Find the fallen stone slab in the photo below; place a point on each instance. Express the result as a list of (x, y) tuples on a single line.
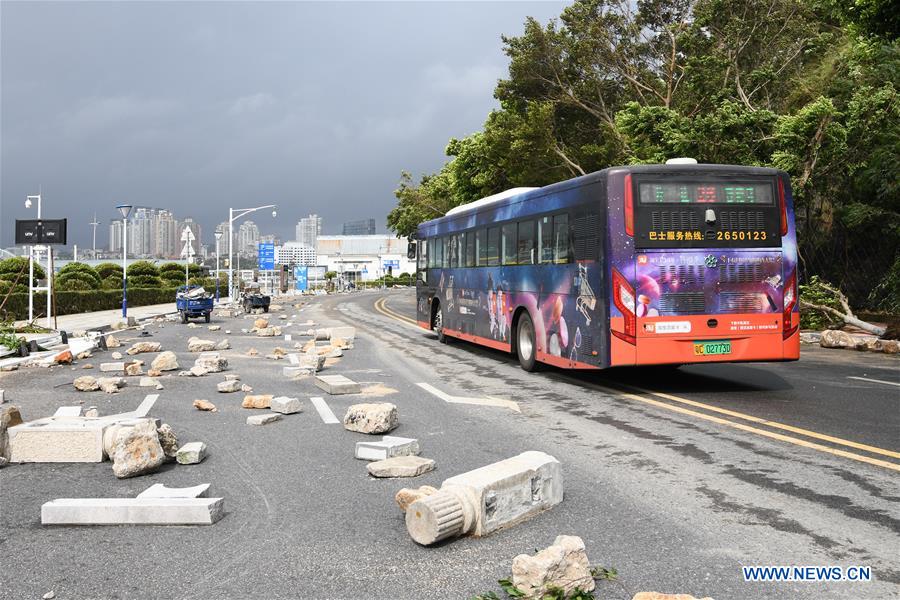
[(400, 466), (263, 419), (228, 386), (158, 490), (257, 401), (86, 383), (286, 405), (148, 382), (141, 347), (388, 447), (198, 345), (191, 453), (337, 385), (68, 411), (57, 440), (371, 418), (132, 511), (563, 565), (165, 361), (296, 372), (109, 367), (205, 405), (407, 496), (515, 489)]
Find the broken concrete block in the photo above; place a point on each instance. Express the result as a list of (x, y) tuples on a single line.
[(148, 382), (214, 327), (165, 361), (659, 596), (407, 496), (334, 353), (232, 377), (371, 418), (205, 405), (322, 334), (116, 356), (268, 332), (311, 361), (223, 345), (68, 411), (246, 388), (337, 385), (112, 341), (296, 372), (110, 385), (132, 511), (258, 401), (140, 347), (198, 345), (400, 466), (137, 449), (486, 499), (168, 440), (198, 371), (213, 364), (86, 383), (563, 565), (285, 405), (57, 440), (228, 386), (191, 453), (134, 369), (388, 447), (9, 417), (109, 367), (263, 419), (159, 490)]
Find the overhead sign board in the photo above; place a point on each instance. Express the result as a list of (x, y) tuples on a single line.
[(301, 278), (40, 231), (266, 256)]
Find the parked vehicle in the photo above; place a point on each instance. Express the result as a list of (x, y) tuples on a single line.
[(193, 302), (253, 298)]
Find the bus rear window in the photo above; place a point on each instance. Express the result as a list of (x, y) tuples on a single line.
[(718, 192)]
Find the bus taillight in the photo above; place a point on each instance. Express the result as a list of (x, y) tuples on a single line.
[(790, 299), (629, 206), (623, 297), (784, 217)]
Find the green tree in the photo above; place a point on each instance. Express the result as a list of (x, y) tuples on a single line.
[(108, 269), (84, 274), (11, 268)]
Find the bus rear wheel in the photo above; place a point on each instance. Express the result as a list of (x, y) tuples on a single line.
[(525, 345)]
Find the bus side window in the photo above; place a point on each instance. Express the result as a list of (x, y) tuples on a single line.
[(508, 244), (561, 239), (493, 247), (470, 249), (526, 243), (545, 240), (481, 252), (422, 262), (454, 251), (445, 258)]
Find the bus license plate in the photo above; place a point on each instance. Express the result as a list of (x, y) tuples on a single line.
[(712, 347)]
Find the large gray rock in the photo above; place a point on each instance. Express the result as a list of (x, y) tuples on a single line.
[(285, 405), (140, 347), (198, 345), (563, 565), (400, 466), (86, 383), (263, 419), (9, 417), (137, 450), (228, 386), (112, 341), (835, 338), (268, 332), (168, 440), (371, 418), (213, 364), (165, 361)]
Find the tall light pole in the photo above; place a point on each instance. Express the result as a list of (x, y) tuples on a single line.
[(237, 213), (28, 202), (218, 235), (125, 210), (94, 224)]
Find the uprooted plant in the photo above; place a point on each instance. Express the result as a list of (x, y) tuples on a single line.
[(829, 301)]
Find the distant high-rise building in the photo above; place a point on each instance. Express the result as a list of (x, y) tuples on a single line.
[(308, 230), (115, 235), (166, 235), (248, 238), (361, 227), (294, 253)]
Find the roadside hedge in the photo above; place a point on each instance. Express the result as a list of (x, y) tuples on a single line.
[(73, 302)]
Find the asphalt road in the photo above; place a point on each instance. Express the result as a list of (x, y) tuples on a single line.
[(673, 501)]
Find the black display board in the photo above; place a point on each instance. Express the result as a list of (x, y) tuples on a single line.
[(31, 232)]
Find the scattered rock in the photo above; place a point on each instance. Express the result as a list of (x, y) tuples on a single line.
[(658, 596), (92, 411), (140, 347), (407, 496), (371, 418), (229, 386), (400, 466), (285, 405), (64, 358), (116, 356), (112, 341), (134, 368), (890, 346), (148, 382), (252, 352), (232, 377), (109, 367), (260, 323), (110, 385), (340, 343), (154, 373), (137, 450), (268, 332), (191, 454), (246, 388), (9, 417), (257, 401), (835, 338), (165, 361), (198, 345), (263, 419), (86, 383), (205, 405), (168, 440), (311, 361), (87, 366), (198, 371), (223, 345), (212, 364), (214, 327), (563, 565), (49, 595), (279, 352), (84, 355)]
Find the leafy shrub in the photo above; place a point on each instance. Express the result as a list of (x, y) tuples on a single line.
[(86, 276), (73, 302), (73, 284), (113, 282), (811, 318), (144, 281), (142, 267), (11, 267), (108, 269)]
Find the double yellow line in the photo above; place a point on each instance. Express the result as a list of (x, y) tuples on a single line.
[(647, 397)]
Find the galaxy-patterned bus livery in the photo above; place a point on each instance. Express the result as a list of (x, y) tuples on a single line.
[(640, 265)]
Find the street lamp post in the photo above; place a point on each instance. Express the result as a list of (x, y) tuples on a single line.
[(125, 210), (218, 237), (28, 202), (237, 213)]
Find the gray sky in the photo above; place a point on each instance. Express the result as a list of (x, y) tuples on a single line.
[(200, 106)]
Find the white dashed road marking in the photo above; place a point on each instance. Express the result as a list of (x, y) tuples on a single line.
[(324, 411), (488, 401), (874, 380)]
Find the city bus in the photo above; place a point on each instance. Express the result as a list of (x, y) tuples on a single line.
[(670, 264)]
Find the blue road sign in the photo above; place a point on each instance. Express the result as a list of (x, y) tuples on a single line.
[(301, 278), (266, 256)]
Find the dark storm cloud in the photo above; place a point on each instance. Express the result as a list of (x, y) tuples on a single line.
[(201, 106)]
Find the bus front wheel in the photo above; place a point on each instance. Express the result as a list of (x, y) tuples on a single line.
[(525, 346), (439, 325)]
